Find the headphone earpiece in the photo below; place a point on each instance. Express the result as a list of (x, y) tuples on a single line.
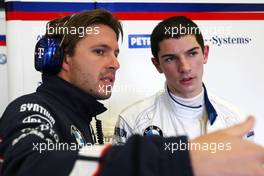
[(48, 55)]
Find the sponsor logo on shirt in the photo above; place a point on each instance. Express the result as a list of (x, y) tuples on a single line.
[(120, 132), (77, 135), (153, 130)]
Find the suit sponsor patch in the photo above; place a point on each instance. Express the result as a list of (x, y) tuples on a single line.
[(120, 132), (77, 135), (153, 130)]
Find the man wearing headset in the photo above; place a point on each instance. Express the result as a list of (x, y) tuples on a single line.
[(184, 107), (48, 132)]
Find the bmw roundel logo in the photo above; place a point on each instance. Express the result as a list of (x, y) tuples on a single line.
[(3, 59), (153, 130), (78, 136)]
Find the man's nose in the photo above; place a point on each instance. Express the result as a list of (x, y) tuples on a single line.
[(184, 65), (114, 64)]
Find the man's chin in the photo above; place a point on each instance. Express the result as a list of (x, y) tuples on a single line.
[(103, 96)]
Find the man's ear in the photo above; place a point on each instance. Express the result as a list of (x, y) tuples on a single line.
[(65, 70), (206, 53), (156, 64), (66, 63)]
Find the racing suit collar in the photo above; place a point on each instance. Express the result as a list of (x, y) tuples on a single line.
[(71, 96), (211, 112)]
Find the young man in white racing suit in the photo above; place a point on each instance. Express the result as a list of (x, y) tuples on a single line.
[(184, 107)]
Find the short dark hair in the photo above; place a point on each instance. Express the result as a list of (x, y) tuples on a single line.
[(166, 29), (83, 20)]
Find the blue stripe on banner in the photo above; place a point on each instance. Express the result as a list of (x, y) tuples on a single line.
[(2, 37), (180, 7), (49, 6), (132, 7)]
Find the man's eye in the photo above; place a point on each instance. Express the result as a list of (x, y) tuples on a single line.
[(193, 53), (99, 51), (169, 59)]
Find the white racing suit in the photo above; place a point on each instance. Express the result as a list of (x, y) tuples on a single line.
[(156, 116)]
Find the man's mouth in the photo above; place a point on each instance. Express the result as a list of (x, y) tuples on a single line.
[(186, 80), (108, 79)]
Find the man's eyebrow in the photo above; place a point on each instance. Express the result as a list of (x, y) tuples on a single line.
[(168, 55), (192, 49), (105, 46), (101, 45)]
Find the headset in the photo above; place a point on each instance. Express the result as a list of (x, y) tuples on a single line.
[(49, 53)]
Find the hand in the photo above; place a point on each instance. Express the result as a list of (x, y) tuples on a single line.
[(233, 156)]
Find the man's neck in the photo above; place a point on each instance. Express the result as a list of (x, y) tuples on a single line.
[(188, 95)]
